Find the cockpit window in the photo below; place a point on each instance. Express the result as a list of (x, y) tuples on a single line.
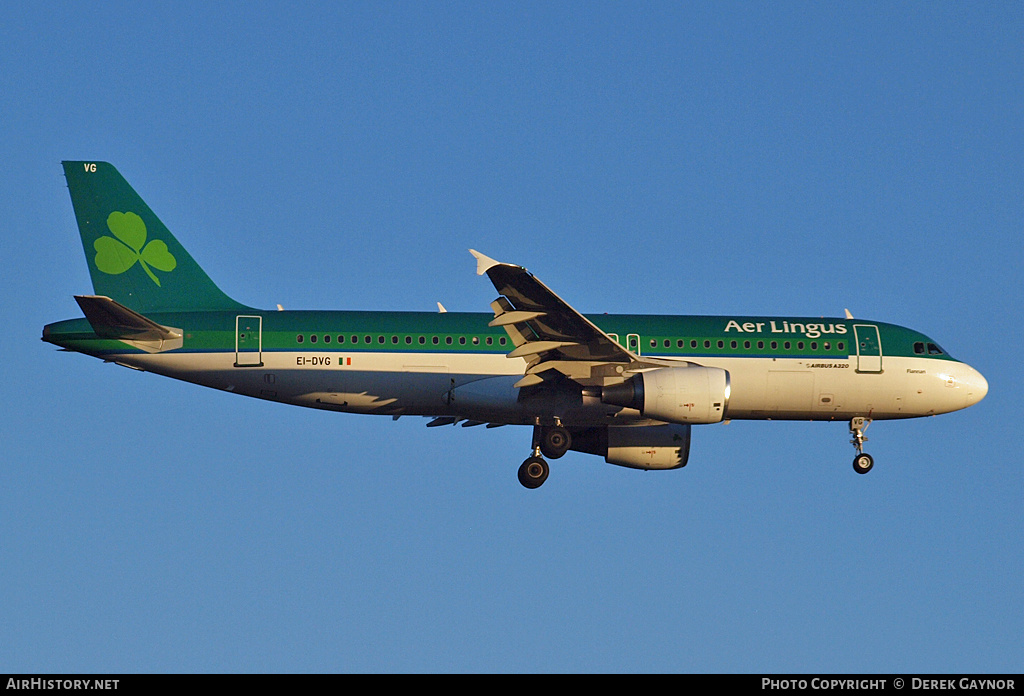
[(932, 349)]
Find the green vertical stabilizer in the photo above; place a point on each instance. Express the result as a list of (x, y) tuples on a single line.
[(132, 256)]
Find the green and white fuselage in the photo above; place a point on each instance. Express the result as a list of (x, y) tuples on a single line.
[(407, 363), (627, 387)]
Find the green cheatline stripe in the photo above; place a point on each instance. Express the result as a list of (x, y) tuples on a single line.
[(206, 330)]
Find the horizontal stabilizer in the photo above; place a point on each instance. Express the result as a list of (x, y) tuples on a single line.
[(109, 319)]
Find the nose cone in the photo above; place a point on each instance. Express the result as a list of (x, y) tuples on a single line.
[(974, 384)]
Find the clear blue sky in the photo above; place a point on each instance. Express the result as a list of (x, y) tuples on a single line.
[(788, 158)]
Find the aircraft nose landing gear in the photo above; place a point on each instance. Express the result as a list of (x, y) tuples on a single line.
[(862, 463)]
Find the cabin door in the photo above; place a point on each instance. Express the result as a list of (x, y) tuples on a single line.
[(869, 348), (248, 341)]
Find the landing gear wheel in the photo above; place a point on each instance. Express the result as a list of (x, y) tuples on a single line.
[(555, 441), (862, 463), (533, 472)]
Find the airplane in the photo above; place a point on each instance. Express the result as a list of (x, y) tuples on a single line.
[(624, 387)]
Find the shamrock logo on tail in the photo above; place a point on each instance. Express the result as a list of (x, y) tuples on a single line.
[(115, 256)]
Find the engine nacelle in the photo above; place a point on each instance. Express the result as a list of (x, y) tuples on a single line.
[(674, 394), (637, 447)]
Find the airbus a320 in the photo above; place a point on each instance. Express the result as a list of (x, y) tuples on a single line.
[(624, 387)]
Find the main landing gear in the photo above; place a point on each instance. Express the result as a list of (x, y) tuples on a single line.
[(863, 462), (551, 441), (533, 472)]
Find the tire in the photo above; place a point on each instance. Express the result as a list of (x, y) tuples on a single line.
[(863, 463), (555, 442), (533, 472)]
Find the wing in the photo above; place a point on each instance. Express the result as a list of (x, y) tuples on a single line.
[(550, 335)]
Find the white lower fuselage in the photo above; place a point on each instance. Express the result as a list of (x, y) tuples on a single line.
[(479, 386)]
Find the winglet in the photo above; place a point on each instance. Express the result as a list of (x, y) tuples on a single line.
[(483, 263)]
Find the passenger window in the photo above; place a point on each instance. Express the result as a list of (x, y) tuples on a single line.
[(501, 340), (448, 340), (299, 339), (721, 344), (394, 339), (327, 338), (746, 345), (312, 338), (760, 345), (380, 339), (435, 339), (422, 340), (733, 345), (341, 339), (462, 340)]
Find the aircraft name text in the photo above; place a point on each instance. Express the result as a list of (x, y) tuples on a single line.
[(785, 327)]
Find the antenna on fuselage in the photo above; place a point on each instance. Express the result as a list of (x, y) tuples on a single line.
[(848, 315)]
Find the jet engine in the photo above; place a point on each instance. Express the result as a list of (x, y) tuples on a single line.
[(674, 394), (637, 447)]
